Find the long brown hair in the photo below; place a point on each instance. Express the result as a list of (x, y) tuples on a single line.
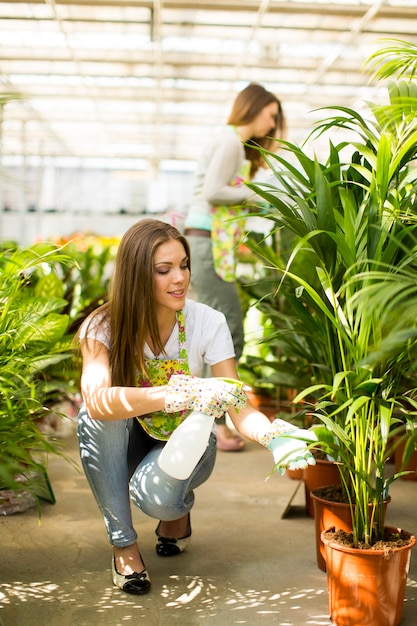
[(247, 105), (131, 305)]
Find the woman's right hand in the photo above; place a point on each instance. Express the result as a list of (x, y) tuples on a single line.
[(212, 396)]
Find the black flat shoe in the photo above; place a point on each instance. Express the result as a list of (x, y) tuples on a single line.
[(172, 547), (136, 584)]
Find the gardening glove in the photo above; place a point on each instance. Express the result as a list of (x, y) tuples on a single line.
[(211, 396), (288, 445)]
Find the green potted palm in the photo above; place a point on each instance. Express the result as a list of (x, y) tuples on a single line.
[(287, 357), (354, 310)]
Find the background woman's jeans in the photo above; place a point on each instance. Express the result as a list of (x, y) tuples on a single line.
[(120, 460)]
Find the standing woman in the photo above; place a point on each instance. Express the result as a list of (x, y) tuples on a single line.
[(214, 223), (143, 352)]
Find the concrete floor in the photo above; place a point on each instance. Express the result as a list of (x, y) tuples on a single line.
[(246, 564)]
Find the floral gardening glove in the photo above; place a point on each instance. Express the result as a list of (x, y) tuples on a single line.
[(211, 396), (288, 445)]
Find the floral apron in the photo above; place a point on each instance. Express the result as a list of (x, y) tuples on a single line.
[(161, 425), (226, 232)]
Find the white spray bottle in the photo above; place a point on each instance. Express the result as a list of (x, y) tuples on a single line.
[(188, 442)]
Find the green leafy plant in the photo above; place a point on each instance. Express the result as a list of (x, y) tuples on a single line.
[(349, 283), (282, 356), (83, 284), (33, 338)]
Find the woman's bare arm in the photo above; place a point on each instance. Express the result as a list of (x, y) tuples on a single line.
[(106, 402)]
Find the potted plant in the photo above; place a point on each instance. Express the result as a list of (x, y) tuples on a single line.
[(355, 214), (33, 339), (283, 359)]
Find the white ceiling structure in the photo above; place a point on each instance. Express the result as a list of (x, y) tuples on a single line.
[(120, 79)]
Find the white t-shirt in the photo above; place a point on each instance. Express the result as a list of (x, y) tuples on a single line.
[(207, 334)]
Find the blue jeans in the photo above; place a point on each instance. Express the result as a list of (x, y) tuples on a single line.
[(120, 462)]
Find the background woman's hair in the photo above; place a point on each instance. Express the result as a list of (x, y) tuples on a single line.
[(247, 105)]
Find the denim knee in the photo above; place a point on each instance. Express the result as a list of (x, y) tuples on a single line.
[(165, 498)]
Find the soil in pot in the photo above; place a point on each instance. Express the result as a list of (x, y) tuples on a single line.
[(366, 584)]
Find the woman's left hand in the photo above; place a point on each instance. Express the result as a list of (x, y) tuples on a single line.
[(289, 445)]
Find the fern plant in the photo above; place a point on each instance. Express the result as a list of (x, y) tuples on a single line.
[(32, 339)]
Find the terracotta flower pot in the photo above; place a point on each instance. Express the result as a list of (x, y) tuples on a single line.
[(367, 587), (295, 474), (328, 514), (266, 404), (411, 465), (322, 474)]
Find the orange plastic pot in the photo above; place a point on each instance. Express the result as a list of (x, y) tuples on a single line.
[(411, 465), (265, 404), (366, 587), (295, 474), (328, 514), (322, 474)]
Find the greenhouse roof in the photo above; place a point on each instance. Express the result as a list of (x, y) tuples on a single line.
[(148, 81)]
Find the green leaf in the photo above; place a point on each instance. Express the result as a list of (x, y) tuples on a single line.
[(49, 285)]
